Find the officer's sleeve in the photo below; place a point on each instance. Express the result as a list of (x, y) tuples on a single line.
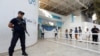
[(25, 24), (12, 21), (98, 30)]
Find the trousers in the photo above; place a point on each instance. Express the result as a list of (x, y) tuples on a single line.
[(95, 38), (66, 35), (42, 35), (14, 40)]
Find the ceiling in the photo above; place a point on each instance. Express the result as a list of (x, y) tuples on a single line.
[(64, 7)]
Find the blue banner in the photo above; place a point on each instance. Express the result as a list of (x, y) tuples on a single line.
[(56, 17), (48, 28)]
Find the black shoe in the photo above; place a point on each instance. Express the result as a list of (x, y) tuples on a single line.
[(92, 43), (97, 44), (10, 55), (24, 54)]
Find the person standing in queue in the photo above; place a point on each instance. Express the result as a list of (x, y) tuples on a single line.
[(66, 33), (70, 33), (80, 31), (76, 33), (95, 32), (42, 34), (87, 33), (18, 26), (56, 33)]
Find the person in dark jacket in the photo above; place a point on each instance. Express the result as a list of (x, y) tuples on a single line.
[(95, 32), (80, 31), (70, 33), (18, 26)]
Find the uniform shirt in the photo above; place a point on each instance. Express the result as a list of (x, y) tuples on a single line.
[(19, 25)]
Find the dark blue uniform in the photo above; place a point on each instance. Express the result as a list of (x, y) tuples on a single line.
[(18, 33)]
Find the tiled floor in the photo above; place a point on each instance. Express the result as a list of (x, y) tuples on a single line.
[(50, 48), (80, 44)]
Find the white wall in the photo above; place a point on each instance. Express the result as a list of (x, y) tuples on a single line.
[(49, 34), (43, 13), (78, 21), (68, 24), (8, 10)]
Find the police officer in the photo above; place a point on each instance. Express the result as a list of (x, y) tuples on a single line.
[(18, 26)]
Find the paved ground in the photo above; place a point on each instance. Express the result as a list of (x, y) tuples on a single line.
[(50, 47)]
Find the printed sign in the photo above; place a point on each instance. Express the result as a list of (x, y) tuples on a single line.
[(32, 2)]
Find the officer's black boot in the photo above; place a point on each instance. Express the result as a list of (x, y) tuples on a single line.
[(10, 53), (24, 54)]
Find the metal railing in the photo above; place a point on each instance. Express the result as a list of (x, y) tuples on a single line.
[(82, 42)]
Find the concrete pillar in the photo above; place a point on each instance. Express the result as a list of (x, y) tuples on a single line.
[(8, 10)]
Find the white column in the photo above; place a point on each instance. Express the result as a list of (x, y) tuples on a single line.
[(8, 10)]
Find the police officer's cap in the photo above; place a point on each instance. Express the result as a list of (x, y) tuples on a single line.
[(21, 12)]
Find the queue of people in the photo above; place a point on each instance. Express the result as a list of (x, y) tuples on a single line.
[(70, 33), (77, 32)]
